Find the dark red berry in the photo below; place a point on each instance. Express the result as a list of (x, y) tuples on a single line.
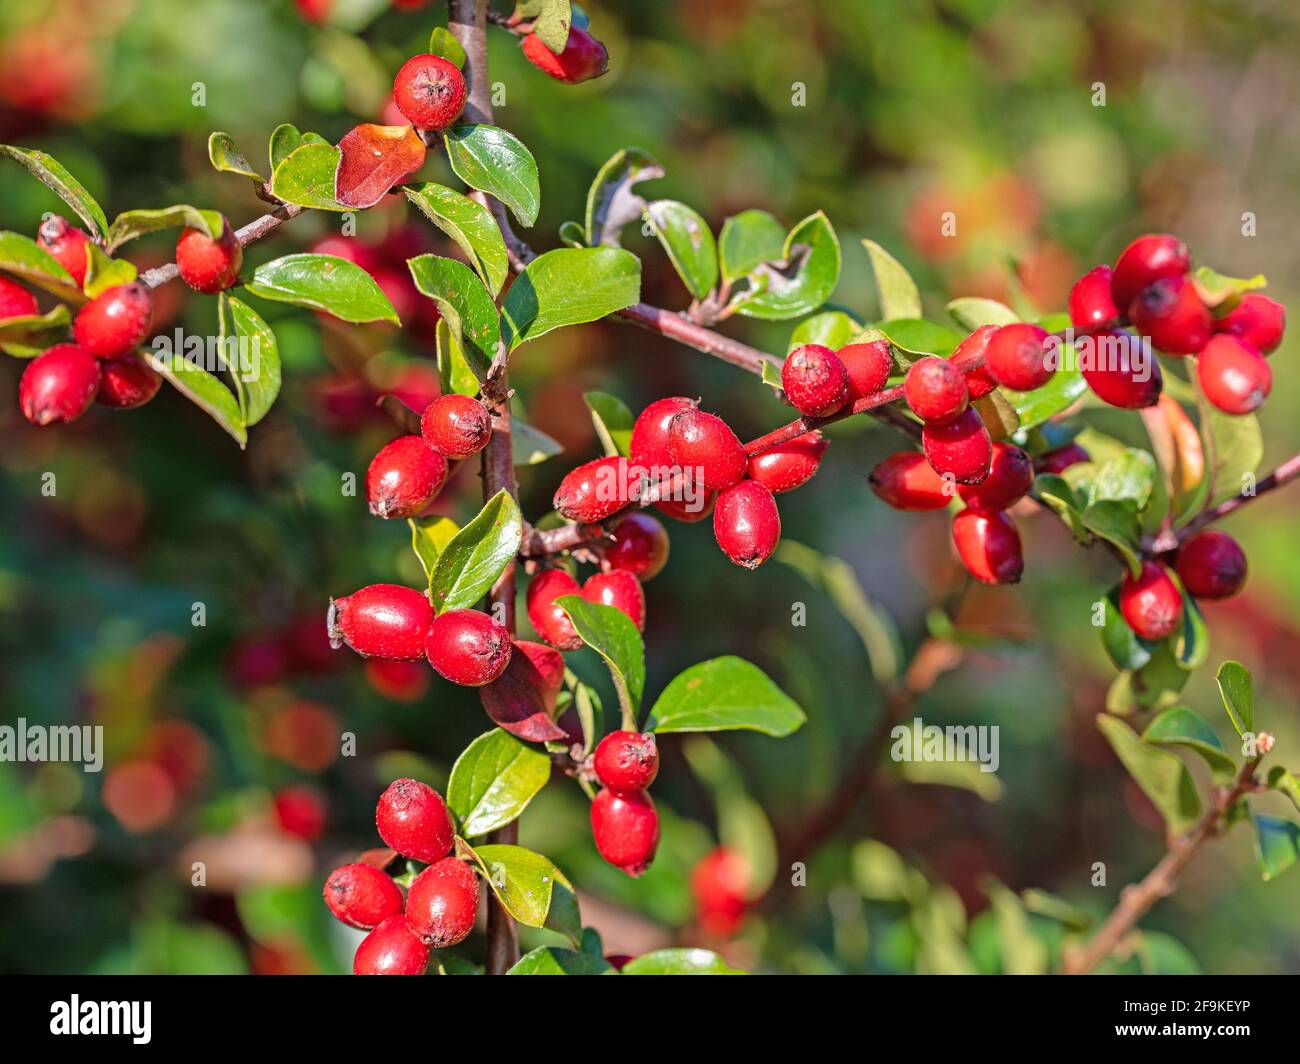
[(404, 477), (791, 464), (362, 895), (1120, 370), (442, 903), (960, 447), (127, 382), (868, 366), (907, 481), (649, 444), (1091, 305), (381, 621), (595, 490), (625, 826), (815, 380), (1017, 357), (208, 265), (704, 446), (549, 620), (430, 91), (627, 760), (971, 350), (747, 524), (583, 57), (1211, 565), (1233, 375), (467, 647), (688, 510), (988, 545), (456, 425), (391, 949), (413, 820), (58, 385), (1011, 475), (935, 389), (1257, 320), (402, 681), (1148, 259), (1059, 460), (67, 244), (620, 589), (16, 301), (1150, 603), (115, 321), (1171, 313), (639, 545)]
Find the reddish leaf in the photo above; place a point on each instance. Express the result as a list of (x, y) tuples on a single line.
[(375, 158), (522, 699)]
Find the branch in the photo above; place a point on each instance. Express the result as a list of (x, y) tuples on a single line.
[(253, 231), (1283, 474)]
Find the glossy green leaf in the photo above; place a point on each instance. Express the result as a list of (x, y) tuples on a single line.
[(1282, 781), (1155, 686), (686, 238), (530, 445), (1215, 288), (496, 162), (748, 240), (454, 371), (443, 43), (896, 292), (551, 21), (551, 960), (812, 252), (323, 282), (1161, 775), (612, 201), (1238, 694), (226, 158), (307, 175), (1129, 477), (1033, 408), (915, 338), (27, 336), (202, 389), (610, 632), (470, 225), (680, 962), (429, 538), (131, 224), (613, 422), (23, 256), (1057, 494), (479, 553), (1277, 844), (830, 328), (286, 139), (1180, 726), (493, 781), (573, 235), (724, 694), (55, 176), (524, 881), (1117, 523), (259, 362), (465, 305), (103, 272), (971, 312), (1236, 447), (569, 286), (1192, 640)]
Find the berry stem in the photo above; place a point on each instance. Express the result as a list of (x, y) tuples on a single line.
[(1283, 474)]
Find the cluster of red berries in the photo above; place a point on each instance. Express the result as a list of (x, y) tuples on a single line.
[(624, 821), (1211, 565), (440, 905)]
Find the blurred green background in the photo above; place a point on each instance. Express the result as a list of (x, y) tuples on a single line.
[(223, 739)]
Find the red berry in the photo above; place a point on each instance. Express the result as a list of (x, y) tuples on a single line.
[(1211, 565), (1017, 357), (688, 511), (115, 321), (413, 820), (362, 895), (583, 57), (649, 444), (989, 546), (67, 244), (381, 621), (791, 464), (815, 380), (868, 366), (625, 826), (127, 382), (207, 265), (906, 481), (430, 91), (961, 447), (442, 903), (1120, 370), (1171, 313), (1059, 460), (456, 426), (1011, 475), (59, 385), (468, 647), (1150, 603), (971, 349), (935, 389), (299, 811), (704, 446), (598, 489), (1091, 305), (402, 681), (1257, 320), (620, 589), (639, 545), (627, 760), (391, 949), (1148, 259), (404, 477), (1233, 375), (550, 620), (720, 885), (747, 524), (16, 301)]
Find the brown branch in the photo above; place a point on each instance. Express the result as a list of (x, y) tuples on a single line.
[(1283, 474)]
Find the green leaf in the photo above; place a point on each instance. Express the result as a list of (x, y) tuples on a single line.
[(470, 225), (830, 328), (880, 874), (686, 238), (613, 421), (529, 445), (1021, 951), (551, 960), (724, 694), (998, 415), (1042, 903), (29, 335), (1130, 477), (429, 538), (896, 291), (611, 201), (479, 553), (1161, 954), (1123, 646), (915, 338), (130, 224), (285, 140), (748, 240), (551, 21), (812, 251), (1034, 408), (1155, 686), (496, 162), (443, 43), (1180, 726), (26, 258), (573, 235), (307, 175), (680, 962), (1281, 780), (569, 286), (524, 881), (1162, 776), (259, 360), (1192, 641), (1061, 498), (323, 282), (454, 372), (1277, 844), (1235, 686), (225, 158), (970, 312), (1236, 446), (54, 176), (1215, 288), (465, 306), (203, 389), (493, 781), (610, 632), (1117, 523), (963, 775), (103, 273)]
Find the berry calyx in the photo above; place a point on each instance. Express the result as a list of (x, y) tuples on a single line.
[(1171, 313), (971, 349), (583, 57), (468, 647), (960, 447), (1233, 375), (620, 589), (988, 545), (747, 524), (207, 265), (625, 827), (548, 619), (404, 477), (627, 760), (1148, 259), (442, 903), (907, 481), (597, 489), (59, 385), (412, 819), (1060, 459), (1011, 475), (456, 426), (381, 621), (704, 446), (1150, 603), (935, 389), (67, 244), (639, 545), (127, 382), (1091, 304), (814, 380), (868, 366), (789, 465), (1119, 370), (1017, 357), (115, 321), (1256, 320), (1211, 565), (16, 301), (429, 91), (391, 949), (362, 896)]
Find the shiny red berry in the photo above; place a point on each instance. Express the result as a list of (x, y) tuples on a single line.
[(1233, 375), (961, 448), (649, 444), (907, 481), (1211, 565), (620, 589), (442, 903), (598, 489), (815, 380), (1171, 313), (625, 826), (988, 545), (1150, 603), (548, 619), (67, 244), (457, 426), (467, 647), (1120, 370), (58, 385), (381, 621), (639, 545), (1257, 320), (1011, 475), (704, 446), (935, 389), (16, 301), (1148, 259), (627, 760), (115, 321), (127, 382), (430, 91), (1060, 459), (971, 350), (1091, 304), (412, 819), (300, 811), (208, 265), (1017, 357), (404, 477), (391, 949), (791, 464), (583, 57), (747, 524), (362, 896), (868, 366)]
